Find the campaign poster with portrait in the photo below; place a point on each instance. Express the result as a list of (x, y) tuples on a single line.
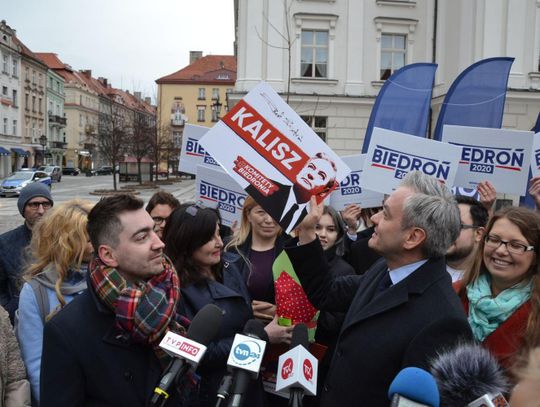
[(392, 155), (500, 156), (274, 155), (216, 189), (350, 191), (192, 153), (535, 158)]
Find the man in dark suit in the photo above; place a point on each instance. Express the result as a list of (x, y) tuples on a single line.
[(287, 205), (403, 310)]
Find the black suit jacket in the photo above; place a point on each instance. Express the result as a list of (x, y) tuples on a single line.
[(358, 253), (274, 204), (383, 332)]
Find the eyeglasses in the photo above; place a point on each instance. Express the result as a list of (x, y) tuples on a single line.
[(158, 220), (465, 227), (511, 245), (36, 205)]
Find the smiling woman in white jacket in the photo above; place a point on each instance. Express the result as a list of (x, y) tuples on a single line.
[(60, 254)]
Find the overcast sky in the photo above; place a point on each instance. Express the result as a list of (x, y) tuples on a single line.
[(130, 42)]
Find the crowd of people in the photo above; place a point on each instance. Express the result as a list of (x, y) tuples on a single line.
[(88, 292)]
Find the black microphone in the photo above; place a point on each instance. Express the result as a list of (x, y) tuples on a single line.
[(245, 359), (467, 373), (204, 327)]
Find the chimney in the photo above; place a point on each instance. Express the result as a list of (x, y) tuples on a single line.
[(103, 81), (194, 55), (137, 95), (148, 100), (87, 72)]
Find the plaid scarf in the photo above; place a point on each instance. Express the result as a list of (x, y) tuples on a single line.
[(144, 310)]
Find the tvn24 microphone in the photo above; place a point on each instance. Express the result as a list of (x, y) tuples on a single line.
[(245, 360), (297, 368), (413, 387), (187, 351), (468, 375)]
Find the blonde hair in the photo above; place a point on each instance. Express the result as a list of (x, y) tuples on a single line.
[(60, 240)]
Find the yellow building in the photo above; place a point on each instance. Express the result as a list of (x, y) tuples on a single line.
[(196, 94)]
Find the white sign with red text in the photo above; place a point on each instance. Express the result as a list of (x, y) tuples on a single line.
[(392, 155), (297, 368), (274, 155), (181, 347), (192, 153), (216, 189), (500, 156), (350, 191)]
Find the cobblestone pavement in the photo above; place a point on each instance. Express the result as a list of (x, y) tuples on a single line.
[(80, 187)]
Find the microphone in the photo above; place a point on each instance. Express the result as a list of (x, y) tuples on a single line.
[(414, 387), (297, 368), (467, 373), (245, 360), (204, 327)]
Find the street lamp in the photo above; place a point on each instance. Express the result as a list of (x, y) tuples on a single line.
[(43, 142)]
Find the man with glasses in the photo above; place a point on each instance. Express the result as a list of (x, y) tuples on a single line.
[(160, 207), (460, 255), (34, 201)]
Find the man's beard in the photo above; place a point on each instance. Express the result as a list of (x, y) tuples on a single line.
[(459, 253)]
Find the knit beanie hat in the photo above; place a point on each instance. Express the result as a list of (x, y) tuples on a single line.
[(33, 190)]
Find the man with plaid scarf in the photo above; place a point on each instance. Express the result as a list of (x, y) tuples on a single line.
[(102, 349)]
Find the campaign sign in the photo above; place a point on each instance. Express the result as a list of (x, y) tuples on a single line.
[(392, 155), (535, 159), (216, 189), (500, 156), (274, 155), (192, 153), (350, 191)]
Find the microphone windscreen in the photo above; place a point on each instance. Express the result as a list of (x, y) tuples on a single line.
[(300, 336), (465, 373), (417, 385), (205, 324), (256, 328)]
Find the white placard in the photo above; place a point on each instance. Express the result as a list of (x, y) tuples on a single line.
[(216, 189), (274, 155), (535, 158), (246, 353), (391, 155), (192, 153), (350, 191), (500, 156)]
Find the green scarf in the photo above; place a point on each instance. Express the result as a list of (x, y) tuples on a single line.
[(487, 313)]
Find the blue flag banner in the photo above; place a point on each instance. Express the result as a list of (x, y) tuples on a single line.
[(476, 98), (403, 102), (527, 200)]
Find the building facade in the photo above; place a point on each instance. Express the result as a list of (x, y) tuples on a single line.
[(196, 94), (10, 85), (56, 120), (331, 57)]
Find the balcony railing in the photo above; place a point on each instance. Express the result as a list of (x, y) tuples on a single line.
[(57, 119), (58, 144)]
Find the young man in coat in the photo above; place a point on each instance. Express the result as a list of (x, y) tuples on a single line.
[(102, 348), (403, 309)]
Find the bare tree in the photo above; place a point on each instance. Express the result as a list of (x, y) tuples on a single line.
[(140, 141)]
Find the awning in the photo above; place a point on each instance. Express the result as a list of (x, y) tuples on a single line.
[(20, 151), (3, 151)]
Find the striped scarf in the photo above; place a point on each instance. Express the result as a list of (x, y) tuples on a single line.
[(144, 310)]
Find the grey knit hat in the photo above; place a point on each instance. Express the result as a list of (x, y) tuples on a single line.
[(33, 190)]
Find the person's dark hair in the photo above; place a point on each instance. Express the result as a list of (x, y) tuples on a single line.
[(104, 226), (479, 213), (188, 228), (340, 228), (162, 198)]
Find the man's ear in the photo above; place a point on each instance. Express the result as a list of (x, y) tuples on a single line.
[(479, 233), (415, 238), (107, 255)]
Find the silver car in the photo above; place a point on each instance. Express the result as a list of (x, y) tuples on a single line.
[(53, 171)]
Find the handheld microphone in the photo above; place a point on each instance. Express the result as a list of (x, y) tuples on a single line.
[(297, 368), (414, 387), (466, 373), (245, 359), (187, 351)]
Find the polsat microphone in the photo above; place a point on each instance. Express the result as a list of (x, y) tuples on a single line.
[(468, 375), (187, 351), (245, 360), (297, 368), (414, 387)]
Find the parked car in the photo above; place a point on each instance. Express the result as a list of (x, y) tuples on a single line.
[(13, 184), (54, 172), (71, 171), (104, 170)]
